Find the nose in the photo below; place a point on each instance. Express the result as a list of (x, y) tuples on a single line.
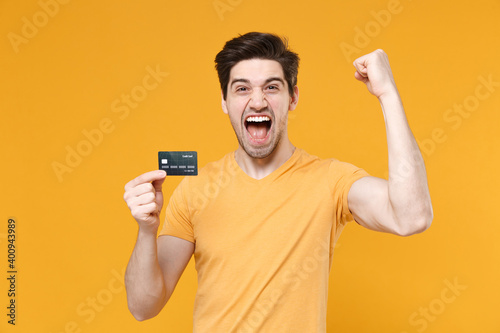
[(258, 100)]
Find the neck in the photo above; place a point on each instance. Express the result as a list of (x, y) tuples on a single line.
[(259, 168)]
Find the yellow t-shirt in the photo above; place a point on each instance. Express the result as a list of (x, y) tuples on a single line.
[(263, 248)]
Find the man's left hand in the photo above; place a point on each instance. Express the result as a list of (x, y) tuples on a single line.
[(374, 70)]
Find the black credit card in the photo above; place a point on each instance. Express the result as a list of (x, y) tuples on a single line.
[(178, 163)]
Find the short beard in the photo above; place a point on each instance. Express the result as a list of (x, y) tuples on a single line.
[(259, 153)]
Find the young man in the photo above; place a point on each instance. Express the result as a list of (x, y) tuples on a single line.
[(262, 222)]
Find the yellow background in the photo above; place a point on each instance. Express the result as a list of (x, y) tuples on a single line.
[(75, 234)]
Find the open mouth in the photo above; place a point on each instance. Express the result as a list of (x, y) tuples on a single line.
[(258, 127)]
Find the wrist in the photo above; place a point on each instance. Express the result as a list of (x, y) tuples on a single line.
[(148, 230), (389, 96)]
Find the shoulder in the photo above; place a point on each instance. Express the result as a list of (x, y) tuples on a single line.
[(332, 168), (223, 166), (313, 162), (210, 172), (309, 161)]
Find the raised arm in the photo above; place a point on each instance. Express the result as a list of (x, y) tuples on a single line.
[(401, 205), (156, 264)]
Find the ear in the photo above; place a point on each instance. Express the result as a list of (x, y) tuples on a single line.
[(223, 102), (294, 99)]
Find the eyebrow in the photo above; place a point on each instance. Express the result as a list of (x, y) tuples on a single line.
[(271, 79)]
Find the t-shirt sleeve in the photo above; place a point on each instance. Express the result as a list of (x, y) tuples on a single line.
[(177, 216), (342, 175)]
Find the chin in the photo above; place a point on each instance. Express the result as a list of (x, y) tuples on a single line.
[(259, 155), (260, 152)]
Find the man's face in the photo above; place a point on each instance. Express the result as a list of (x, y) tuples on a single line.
[(257, 103)]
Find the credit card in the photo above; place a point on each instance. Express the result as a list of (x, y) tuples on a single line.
[(178, 163)]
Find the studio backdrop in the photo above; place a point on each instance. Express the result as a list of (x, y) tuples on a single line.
[(91, 90)]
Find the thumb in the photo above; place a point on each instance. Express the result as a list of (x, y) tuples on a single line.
[(361, 65), (361, 68), (157, 184), (360, 77)]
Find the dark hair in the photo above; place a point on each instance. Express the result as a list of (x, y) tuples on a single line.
[(257, 45)]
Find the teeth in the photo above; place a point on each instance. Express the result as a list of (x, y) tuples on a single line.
[(258, 119)]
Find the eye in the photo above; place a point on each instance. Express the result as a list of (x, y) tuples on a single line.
[(241, 89), (273, 87)]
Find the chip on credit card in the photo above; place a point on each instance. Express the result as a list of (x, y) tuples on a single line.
[(178, 163)]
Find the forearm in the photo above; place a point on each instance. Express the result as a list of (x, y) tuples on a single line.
[(146, 292), (407, 185)]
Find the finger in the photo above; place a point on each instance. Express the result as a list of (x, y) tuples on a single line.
[(138, 190), (360, 77), (361, 69), (146, 178), (361, 65), (144, 211), (141, 200), (158, 183)]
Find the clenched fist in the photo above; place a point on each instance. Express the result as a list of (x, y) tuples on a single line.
[(144, 197), (374, 70)]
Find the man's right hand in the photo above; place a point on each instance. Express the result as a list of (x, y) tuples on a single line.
[(144, 198)]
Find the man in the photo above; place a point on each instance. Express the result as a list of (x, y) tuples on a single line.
[(262, 222)]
